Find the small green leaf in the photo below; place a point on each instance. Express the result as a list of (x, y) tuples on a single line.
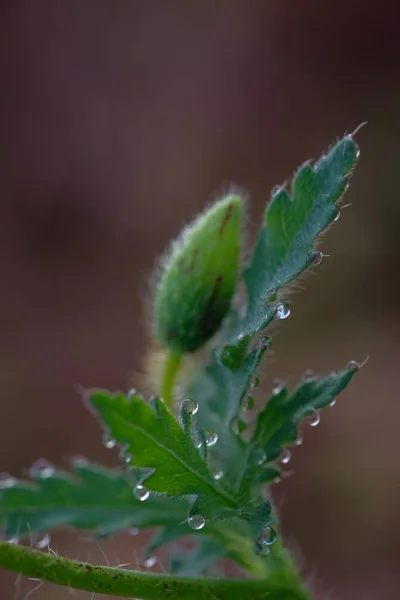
[(156, 441), (284, 246), (199, 277), (277, 422), (95, 498)]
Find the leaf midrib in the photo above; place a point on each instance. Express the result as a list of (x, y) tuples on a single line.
[(154, 440)]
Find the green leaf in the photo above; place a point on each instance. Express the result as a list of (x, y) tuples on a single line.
[(292, 223), (277, 422), (221, 391), (93, 498), (199, 277), (283, 250), (157, 442)]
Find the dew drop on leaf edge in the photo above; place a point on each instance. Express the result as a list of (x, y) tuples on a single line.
[(109, 442), (6, 481), (282, 310), (268, 536), (150, 561), (314, 258), (211, 438), (314, 419), (42, 469), (141, 492), (196, 522), (189, 406), (285, 456)]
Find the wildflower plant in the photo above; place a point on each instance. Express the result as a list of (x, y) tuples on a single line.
[(191, 465)]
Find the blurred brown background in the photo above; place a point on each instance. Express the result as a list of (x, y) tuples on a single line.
[(118, 121)]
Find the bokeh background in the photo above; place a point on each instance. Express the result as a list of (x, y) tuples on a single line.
[(119, 120)]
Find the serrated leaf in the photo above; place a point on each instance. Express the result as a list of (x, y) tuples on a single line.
[(155, 439), (220, 393), (94, 498), (278, 421), (292, 223)]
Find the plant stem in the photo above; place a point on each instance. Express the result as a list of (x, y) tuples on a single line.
[(147, 586), (171, 367)]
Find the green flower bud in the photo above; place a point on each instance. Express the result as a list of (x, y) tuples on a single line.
[(199, 276)]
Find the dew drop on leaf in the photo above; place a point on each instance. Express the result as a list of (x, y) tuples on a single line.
[(260, 457), (353, 364), (150, 561), (42, 468), (248, 402), (332, 403), (285, 456), (315, 419), (278, 386), (282, 310), (211, 438), (217, 475), (109, 442), (44, 542), (189, 406), (299, 441), (132, 392), (314, 258), (6, 481), (141, 492), (337, 216), (268, 536), (196, 522), (254, 382)]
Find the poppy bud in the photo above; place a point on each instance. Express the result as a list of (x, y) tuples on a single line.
[(198, 277)]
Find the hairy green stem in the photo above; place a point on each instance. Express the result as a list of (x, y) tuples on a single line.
[(171, 367), (147, 586)]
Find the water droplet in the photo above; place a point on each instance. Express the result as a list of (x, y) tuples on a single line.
[(308, 375), (126, 457), (272, 296), (299, 441), (132, 392), (264, 343), (238, 425), (6, 481), (141, 492), (42, 468), (346, 187), (109, 442), (315, 419), (13, 540), (150, 562), (315, 258), (357, 151), (196, 522), (189, 406), (268, 536), (353, 364), (133, 531), (337, 216), (217, 475), (332, 402), (285, 456), (211, 438), (278, 386), (44, 542), (254, 382), (248, 402), (260, 457), (277, 480), (198, 443), (282, 310)]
